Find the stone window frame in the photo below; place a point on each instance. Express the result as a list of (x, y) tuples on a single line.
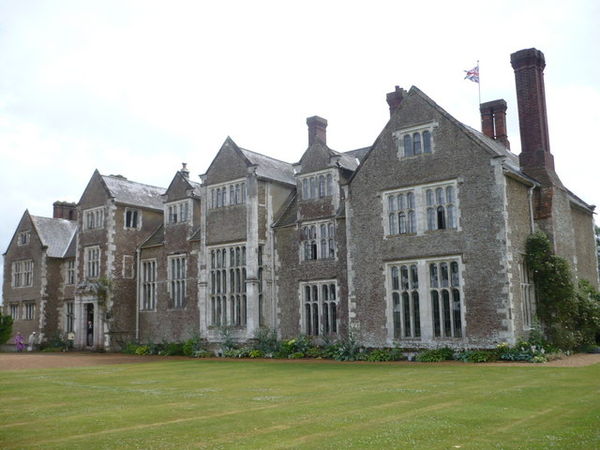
[(426, 297), (128, 267), (70, 275), (227, 266), (22, 273), (14, 311), (94, 218), (319, 317), (178, 212), (148, 284), (420, 208), (29, 311), (23, 238), (317, 185), (409, 135), (317, 245), (132, 219), (528, 295), (220, 195), (92, 259), (177, 280)]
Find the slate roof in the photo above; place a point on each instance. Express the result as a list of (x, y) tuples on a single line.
[(359, 153), (270, 168), (55, 234), (156, 238), (133, 193), (196, 186), (289, 212)]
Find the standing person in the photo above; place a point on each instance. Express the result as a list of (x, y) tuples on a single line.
[(20, 342), (70, 340), (90, 333), (31, 341)]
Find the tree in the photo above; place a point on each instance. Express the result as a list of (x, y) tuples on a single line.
[(6, 323), (597, 231)]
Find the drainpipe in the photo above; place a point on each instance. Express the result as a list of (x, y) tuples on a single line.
[(137, 297), (530, 197)]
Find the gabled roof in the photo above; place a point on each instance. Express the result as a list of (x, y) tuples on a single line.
[(270, 168), (359, 153), (194, 186), (289, 212), (133, 193), (55, 234)]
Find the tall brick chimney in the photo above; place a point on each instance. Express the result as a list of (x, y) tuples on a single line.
[(317, 130), (493, 120), (394, 99), (64, 210), (535, 154)]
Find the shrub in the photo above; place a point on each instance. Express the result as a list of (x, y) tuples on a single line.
[(477, 356), (256, 353), (193, 346), (385, 354), (142, 350), (435, 355), (266, 341), (53, 349), (172, 349), (348, 350), (129, 348), (6, 323), (297, 345)]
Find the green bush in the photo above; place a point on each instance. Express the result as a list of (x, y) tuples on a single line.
[(193, 346), (256, 353), (6, 323), (297, 345), (266, 341), (142, 350), (477, 356), (348, 350), (172, 349), (435, 355), (385, 354), (129, 348)]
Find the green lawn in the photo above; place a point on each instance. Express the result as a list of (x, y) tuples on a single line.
[(257, 404)]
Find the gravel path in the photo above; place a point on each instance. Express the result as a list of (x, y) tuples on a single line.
[(17, 361)]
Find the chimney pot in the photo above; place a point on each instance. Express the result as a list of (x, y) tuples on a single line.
[(184, 171), (493, 120), (317, 130), (394, 99)]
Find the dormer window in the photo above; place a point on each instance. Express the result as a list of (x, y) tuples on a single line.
[(93, 218), (415, 141), (178, 212), (228, 195), (317, 186), (132, 218)]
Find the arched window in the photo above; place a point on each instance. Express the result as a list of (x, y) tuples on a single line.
[(219, 198), (397, 315), (417, 143), (402, 223), (329, 184), (305, 189), (435, 310), (410, 200), (408, 147), (321, 186), (392, 203), (393, 224), (441, 218), (395, 279), (426, 141), (313, 188), (456, 315), (412, 222)]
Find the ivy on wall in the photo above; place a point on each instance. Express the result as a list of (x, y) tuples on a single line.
[(569, 312)]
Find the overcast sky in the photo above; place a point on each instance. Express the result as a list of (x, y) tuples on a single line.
[(138, 87)]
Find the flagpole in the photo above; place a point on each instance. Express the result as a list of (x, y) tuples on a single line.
[(479, 83)]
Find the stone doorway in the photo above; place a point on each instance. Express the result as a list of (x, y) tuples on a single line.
[(89, 324)]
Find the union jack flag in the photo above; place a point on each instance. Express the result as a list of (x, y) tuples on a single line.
[(473, 74)]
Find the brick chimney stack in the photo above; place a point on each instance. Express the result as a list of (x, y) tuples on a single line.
[(493, 121), (64, 210), (529, 67), (317, 130), (394, 99)]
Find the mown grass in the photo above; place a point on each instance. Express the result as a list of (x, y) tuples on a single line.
[(262, 404)]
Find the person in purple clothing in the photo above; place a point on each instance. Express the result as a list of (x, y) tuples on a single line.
[(20, 341)]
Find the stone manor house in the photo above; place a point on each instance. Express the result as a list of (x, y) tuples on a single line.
[(416, 241)]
